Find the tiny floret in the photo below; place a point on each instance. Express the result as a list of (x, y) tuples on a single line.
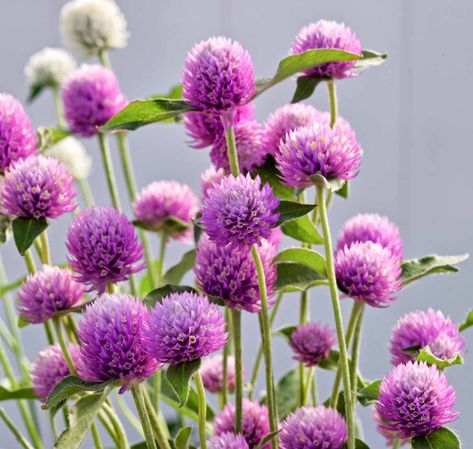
[(212, 373)]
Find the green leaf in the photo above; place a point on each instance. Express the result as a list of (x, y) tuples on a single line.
[(269, 174), (340, 403), (170, 225), (303, 230), (344, 191), (287, 393), (50, 136), (297, 277), (425, 355), (11, 286), (370, 58), (303, 256), (330, 184), (358, 445), (305, 87), (182, 438), (466, 324), (5, 228), (25, 231), (285, 331), (175, 274), (16, 394), (289, 210), (198, 229), (267, 438), (369, 395), (179, 377), (417, 268), (442, 438), (331, 362), (35, 90), (174, 93), (158, 294)]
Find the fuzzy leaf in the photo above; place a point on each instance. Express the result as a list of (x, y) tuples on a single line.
[(442, 438), (289, 210), (25, 231), (303, 230), (369, 395), (270, 175), (306, 86), (158, 294), (175, 274), (425, 355), (297, 277), (179, 377), (467, 323), (287, 390), (19, 393), (182, 438), (303, 256)]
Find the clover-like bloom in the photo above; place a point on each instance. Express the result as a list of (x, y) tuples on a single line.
[(237, 211), (218, 75), (111, 335), (371, 228), (209, 178), (415, 399), (212, 373), (91, 96), (311, 343), (318, 150), (328, 34), (314, 428), (369, 273), (227, 440), (50, 367), (231, 274), (17, 135), (104, 247), (91, 26), (255, 422), (46, 292), (38, 187), (161, 201), (183, 328), (421, 329)]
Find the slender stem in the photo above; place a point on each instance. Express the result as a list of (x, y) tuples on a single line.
[(226, 351), (20, 438), (118, 427), (137, 393), (236, 328), (314, 388), (96, 436), (396, 444), (108, 427), (355, 355), (306, 387), (30, 262), (109, 173), (160, 430), (58, 107), (45, 255), (63, 344), (163, 238), (332, 95), (49, 332), (86, 192), (156, 389), (129, 415), (231, 148), (202, 409), (303, 318), (104, 58), (337, 315)]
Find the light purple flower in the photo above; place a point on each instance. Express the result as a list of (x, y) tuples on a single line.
[(184, 327), (212, 373), (227, 440), (389, 436), (91, 96), (415, 399), (328, 34), (314, 428), (17, 135), (209, 178), (37, 187), (104, 247)]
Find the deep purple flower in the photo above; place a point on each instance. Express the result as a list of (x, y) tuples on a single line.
[(104, 247), (183, 328), (17, 135), (37, 187), (212, 373), (415, 399), (50, 367), (237, 211), (91, 96), (112, 341), (318, 150), (231, 274), (161, 201), (314, 428), (369, 273), (312, 342), (218, 75), (424, 329), (227, 440), (255, 422), (45, 293), (209, 178), (328, 34), (372, 228)]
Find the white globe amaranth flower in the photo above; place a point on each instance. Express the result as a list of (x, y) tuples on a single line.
[(90, 26), (73, 154)]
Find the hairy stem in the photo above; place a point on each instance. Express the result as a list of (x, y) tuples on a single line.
[(109, 173), (137, 393), (236, 328), (332, 95), (231, 149), (19, 437), (202, 409)]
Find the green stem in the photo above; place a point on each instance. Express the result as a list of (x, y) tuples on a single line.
[(104, 58), (137, 392), (107, 425), (96, 436), (20, 438), (226, 353), (45, 254), (58, 107), (303, 318), (163, 238), (332, 95), (236, 328), (231, 149), (64, 347), (86, 192), (30, 262), (306, 387), (49, 332), (160, 430), (109, 173), (202, 409), (129, 415), (396, 444), (118, 427), (314, 388), (355, 356)]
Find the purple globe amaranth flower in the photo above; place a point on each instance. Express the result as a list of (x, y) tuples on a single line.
[(332, 35), (389, 436), (209, 178), (50, 367), (183, 328), (104, 247), (255, 422), (426, 329), (318, 150), (314, 428), (238, 212), (231, 274), (368, 273), (91, 96), (47, 292), (372, 228), (111, 334), (312, 342), (227, 440), (161, 201), (218, 75), (212, 373), (415, 399), (37, 187), (17, 135)]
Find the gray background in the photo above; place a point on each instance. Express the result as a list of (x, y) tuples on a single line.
[(413, 117)]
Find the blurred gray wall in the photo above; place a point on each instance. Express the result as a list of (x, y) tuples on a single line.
[(413, 116)]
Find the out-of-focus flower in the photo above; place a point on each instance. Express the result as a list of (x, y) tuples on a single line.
[(212, 373), (210, 177), (227, 440)]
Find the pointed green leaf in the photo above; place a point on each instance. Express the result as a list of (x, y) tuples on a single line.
[(285, 331), (358, 445), (297, 277), (287, 393), (442, 438), (425, 355), (7, 394), (174, 93), (183, 437), (466, 324), (331, 362), (333, 185), (305, 87), (175, 274), (289, 210), (5, 228), (179, 377), (270, 175), (303, 256), (267, 438), (158, 294), (369, 395), (50, 136), (344, 191), (303, 230), (370, 58), (25, 231), (35, 90)]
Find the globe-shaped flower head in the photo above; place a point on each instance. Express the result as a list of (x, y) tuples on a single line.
[(183, 328), (238, 212), (424, 329), (38, 187), (17, 135), (368, 273), (227, 440), (415, 399), (318, 150), (314, 428), (112, 344), (212, 373), (104, 247), (218, 75), (210, 177), (47, 292), (161, 201), (311, 343), (91, 96), (328, 34)]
